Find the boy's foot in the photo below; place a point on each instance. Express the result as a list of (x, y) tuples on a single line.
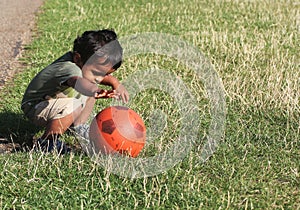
[(81, 130), (45, 145), (82, 134)]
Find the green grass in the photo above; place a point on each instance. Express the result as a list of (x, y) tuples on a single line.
[(254, 47)]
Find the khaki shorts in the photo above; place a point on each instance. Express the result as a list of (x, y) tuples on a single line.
[(52, 109)]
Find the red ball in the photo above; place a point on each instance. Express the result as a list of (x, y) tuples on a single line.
[(118, 129)]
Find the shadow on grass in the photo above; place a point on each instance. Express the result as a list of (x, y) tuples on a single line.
[(15, 128)]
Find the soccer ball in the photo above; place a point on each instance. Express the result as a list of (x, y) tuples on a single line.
[(118, 129)]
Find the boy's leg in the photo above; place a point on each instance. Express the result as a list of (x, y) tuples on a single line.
[(85, 112), (80, 127), (49, 140), (80, 116), (56, 115), (56, 127)]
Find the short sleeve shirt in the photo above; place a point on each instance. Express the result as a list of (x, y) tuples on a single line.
[(50, 82)]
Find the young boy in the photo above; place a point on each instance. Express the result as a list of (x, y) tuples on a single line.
[(64, 93)]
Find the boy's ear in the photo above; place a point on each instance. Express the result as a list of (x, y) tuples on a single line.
[(77, 59)]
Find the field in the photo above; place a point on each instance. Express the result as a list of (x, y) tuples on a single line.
[(246, 99)]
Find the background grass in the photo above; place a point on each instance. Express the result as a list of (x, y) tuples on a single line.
[(253, 45)]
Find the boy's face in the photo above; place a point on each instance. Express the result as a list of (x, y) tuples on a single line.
[(95, 69)]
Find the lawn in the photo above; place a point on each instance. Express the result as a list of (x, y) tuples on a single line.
[(246, 99)]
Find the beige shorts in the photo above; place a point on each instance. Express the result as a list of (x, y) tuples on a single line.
[(52, 109)]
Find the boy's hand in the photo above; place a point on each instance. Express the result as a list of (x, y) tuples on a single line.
[(122, 92), (117, 86), (106, 94)]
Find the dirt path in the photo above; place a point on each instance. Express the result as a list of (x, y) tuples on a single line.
[(17, 18)]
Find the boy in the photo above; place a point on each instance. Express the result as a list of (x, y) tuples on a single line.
[(64, 93)]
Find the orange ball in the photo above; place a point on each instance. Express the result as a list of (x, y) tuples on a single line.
[(118, 129)]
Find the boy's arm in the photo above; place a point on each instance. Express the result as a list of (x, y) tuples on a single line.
[(90, 89), (116, 85), (110, 81)]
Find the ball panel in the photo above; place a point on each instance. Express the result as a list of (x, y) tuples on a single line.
[(108, 126), (139, 130)]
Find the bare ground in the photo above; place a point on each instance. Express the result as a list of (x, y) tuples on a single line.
[(17, 21)]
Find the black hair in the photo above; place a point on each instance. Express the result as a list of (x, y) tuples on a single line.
[(102, 42)]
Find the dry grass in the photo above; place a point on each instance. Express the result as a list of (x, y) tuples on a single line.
[(254, 47)]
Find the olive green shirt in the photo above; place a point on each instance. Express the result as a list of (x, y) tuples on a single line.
[(50, 82)]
